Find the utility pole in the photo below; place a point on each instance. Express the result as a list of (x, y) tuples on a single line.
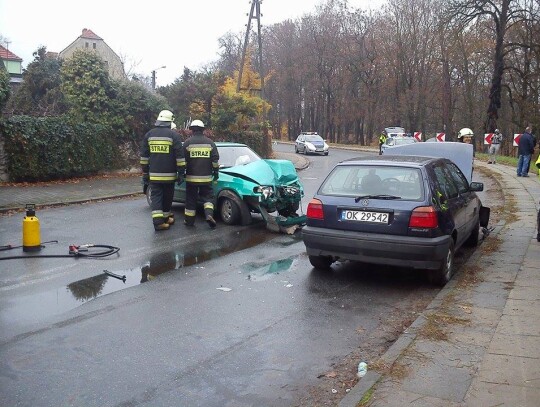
[(255, 13)]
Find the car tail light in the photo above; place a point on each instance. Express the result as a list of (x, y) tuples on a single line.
[(424, 217), (315, 209)]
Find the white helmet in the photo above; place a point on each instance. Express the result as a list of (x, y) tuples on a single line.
[(165, 116), (497, 131), (465, 132), (196, 123)]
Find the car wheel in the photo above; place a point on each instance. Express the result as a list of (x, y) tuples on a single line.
[(321, 262), (444, 273), (474, 238), (149, 195), (296, 149), (326, 153), (229, 211)]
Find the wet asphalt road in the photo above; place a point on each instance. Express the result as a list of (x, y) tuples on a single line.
[(232, 317)]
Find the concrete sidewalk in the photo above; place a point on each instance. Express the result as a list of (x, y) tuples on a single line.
[(478, 342), (13, 198)]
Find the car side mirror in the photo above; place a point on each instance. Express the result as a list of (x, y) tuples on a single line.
[(477, 186)]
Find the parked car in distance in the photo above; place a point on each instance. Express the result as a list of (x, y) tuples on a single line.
[(395, 131), (396, 141), (248, 183), (310, 143), (396, 210)]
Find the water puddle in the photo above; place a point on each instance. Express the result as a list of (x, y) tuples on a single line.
[(35, 307), (257, 272)]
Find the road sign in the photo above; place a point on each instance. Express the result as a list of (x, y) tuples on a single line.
[(417, 135), (441, 137), (487, 138), (516, 139)]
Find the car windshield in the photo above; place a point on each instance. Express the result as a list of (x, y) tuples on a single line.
[(375, 181), (230, 156), (313, 137)]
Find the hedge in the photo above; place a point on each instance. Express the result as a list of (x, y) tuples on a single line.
[(50, 148)]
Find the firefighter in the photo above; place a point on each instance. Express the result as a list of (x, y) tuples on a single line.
[(382, 140), (162, 162), (202, 166), (465, 135)]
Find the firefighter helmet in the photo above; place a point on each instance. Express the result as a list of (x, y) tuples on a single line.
[(196, 123), (465, 132), (165, 116)]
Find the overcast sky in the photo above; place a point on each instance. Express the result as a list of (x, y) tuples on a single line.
[(146, 35)]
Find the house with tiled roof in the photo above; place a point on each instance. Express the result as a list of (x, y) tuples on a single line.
[(89, 41), (13, 65)]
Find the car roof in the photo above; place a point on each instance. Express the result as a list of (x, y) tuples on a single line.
[(229, 144), (404, 160)]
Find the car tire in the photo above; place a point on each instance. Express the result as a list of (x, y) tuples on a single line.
[(326, 153), (321, 262), (148, 194), (474, 237), (229, 211), (444, 273), (296, 149)]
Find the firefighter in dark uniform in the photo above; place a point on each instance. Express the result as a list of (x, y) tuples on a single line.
[(162, 162), (202, 165)]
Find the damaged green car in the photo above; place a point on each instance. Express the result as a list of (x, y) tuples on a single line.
[(248, 184)]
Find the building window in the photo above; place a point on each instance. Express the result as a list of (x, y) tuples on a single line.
[(85, 45), (94, 45)]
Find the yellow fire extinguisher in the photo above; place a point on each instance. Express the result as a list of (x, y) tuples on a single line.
[(31, 234)]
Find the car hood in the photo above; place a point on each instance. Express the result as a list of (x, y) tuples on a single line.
[(460, 153), (265, 172)]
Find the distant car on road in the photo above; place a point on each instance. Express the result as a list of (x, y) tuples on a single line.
[(396, 141), (310, 143), (248, 183), (397, 210)]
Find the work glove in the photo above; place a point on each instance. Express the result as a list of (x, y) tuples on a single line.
[(146, 177), (180, 177), (216, 175)]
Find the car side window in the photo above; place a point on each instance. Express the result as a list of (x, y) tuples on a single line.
[(445, 182), (458, 177)]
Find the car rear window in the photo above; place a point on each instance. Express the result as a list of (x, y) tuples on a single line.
[(357, 180)]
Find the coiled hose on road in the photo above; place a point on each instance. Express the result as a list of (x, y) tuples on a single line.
[(84, 250)]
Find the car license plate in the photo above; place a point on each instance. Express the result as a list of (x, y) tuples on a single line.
[(363, 216)]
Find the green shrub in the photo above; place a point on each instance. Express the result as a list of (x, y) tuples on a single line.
[(49, 148)]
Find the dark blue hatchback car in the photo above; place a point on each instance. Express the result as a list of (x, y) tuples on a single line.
[(411, 211)]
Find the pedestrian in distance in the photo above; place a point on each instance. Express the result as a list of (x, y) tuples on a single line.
[(382, 140), (162, 162), (202, 168), (525, 152), (495, 146)]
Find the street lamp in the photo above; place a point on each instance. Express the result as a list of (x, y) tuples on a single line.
[(154, 76)]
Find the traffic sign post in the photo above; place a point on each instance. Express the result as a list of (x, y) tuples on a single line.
[(488, 137), (516, 139), (441, 137), (417, 135)]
